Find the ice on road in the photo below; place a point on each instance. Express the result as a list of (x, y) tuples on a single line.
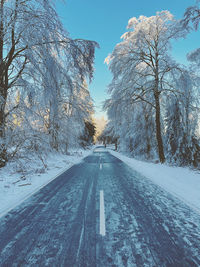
[(60, 225)]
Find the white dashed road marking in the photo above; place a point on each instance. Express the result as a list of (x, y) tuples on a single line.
[(102, 215)]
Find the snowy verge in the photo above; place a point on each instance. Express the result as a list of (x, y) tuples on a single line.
[(14, 188), (181, 182)]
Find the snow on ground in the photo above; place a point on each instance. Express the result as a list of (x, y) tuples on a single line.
[(15, 186), (181, 182)]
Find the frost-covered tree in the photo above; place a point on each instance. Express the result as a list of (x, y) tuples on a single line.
[(132, 125), (100, 124), (89, 133), (192, 16), (182, 140), (143, 128), (79, 110), (32, 39), (141, 65)]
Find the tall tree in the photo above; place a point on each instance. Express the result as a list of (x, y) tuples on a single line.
[(141, 64), (181, 124), (27, 28)]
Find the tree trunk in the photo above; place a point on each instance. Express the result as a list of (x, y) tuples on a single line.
[(157, 106), (3, 93), (1, 31), (3, 150), (53, 124), (158, 129), (116, 145)]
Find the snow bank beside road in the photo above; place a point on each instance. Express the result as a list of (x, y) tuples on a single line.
[(14, 189), (181, 182)]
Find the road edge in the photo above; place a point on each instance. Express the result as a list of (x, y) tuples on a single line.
[(4, 212), (174, 194)]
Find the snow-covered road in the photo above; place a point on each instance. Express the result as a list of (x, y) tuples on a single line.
[(60, 225)]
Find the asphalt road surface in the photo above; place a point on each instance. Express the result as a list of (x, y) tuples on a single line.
[(100, 213)]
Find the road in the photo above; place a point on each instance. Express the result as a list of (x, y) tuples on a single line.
[(61, 224)]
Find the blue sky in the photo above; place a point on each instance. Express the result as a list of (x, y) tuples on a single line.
[(105, 21)]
